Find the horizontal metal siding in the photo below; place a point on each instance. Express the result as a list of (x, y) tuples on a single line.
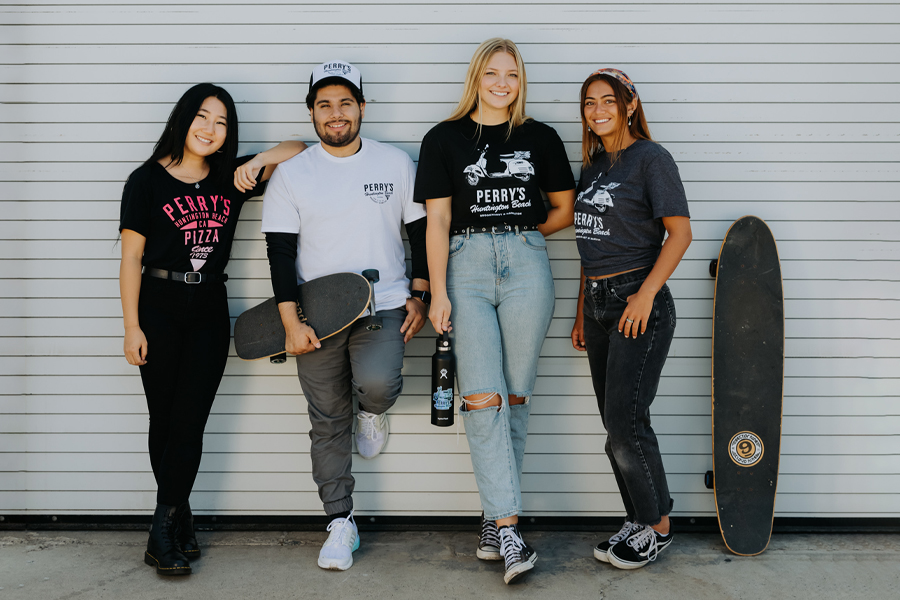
[(784, 111)]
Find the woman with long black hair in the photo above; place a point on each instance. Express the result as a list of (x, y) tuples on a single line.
[(632, 227), (178, 218)]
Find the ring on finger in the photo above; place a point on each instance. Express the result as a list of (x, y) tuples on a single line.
[(629, 320)]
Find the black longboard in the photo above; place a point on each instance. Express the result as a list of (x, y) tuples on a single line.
[(328, 304), (747, 384)]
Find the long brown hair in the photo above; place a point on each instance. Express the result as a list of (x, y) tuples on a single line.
[(590, 141), (477, 66)]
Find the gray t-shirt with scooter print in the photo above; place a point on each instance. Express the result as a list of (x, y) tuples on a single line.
[(619, 210)]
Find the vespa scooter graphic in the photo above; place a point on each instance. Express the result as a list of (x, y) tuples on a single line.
[(600, 199), (516, 165)]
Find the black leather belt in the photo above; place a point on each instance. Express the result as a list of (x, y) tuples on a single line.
[(502, 228), (192, 277)]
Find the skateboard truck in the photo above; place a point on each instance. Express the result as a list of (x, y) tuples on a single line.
[(373, 319), (709, 480)]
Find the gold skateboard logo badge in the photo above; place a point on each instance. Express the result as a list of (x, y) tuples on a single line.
[(745, 449)]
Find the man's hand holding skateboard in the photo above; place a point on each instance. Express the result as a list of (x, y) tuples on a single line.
[(299, 337), (323, 307)]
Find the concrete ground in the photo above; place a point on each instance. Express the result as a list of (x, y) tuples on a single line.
[(251, 565)]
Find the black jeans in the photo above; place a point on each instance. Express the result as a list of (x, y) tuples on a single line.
[(625, 373), (188, 331)]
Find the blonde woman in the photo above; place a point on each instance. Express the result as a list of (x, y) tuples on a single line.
[(481, 173)]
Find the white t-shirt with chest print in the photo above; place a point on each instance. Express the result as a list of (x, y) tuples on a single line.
[(346, 212)]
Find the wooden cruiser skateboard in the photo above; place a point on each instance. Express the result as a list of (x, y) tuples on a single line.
[(328, 304), (747, 384)]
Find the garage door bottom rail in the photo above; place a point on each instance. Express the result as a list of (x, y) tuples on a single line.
[(704, 524)]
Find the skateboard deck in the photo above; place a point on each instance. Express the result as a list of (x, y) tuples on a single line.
[(328, 304), (747, 384)]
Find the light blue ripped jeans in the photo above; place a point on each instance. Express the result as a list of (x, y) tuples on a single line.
[(501, 291)]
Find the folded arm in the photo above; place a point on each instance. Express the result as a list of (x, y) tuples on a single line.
[(245, 176)]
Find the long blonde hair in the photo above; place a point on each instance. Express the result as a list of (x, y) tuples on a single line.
[(477, 66)]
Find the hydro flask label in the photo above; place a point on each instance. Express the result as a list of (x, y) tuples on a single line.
[(443, 373), (443, 399)]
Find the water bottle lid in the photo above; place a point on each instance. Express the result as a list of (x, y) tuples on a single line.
[(443, 342)]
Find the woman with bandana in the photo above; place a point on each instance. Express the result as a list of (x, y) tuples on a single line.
[(632, 228)]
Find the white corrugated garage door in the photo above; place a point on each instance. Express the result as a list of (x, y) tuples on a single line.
[(784, 111)]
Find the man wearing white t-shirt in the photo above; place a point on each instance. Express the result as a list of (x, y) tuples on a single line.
[(338, 207)]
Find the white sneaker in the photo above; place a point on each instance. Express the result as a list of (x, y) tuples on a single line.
[(371, 433), (343, 540)]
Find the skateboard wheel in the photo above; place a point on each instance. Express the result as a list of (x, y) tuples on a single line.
[(713, 267), (278, 358), (371, 275), (709, 480)]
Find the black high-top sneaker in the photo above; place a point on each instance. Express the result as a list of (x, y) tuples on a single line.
[(519, 556), (489, 543)]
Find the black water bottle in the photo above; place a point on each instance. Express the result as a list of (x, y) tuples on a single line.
[(443, 373)]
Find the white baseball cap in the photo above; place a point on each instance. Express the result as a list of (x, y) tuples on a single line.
[(340, 69)]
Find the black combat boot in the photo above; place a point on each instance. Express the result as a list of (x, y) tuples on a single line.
[(187, 541), (162, 550)]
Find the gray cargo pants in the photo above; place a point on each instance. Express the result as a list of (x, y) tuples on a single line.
[(370, 362)]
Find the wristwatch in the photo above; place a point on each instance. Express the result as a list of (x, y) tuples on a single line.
[(421, 295)]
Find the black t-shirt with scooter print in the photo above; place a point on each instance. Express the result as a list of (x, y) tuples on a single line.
[(492, 179)]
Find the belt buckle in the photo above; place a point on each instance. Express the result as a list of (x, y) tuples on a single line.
[(192, 277), (504, 229)]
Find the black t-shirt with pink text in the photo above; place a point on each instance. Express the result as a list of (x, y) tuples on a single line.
[(492, 179), (189, 227)]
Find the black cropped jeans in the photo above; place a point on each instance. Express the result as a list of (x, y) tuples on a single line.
[(188, 332), (625, 373)]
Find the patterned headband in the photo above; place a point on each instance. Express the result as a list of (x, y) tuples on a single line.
[(620, 76)]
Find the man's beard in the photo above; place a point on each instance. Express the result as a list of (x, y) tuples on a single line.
[(338, 140)]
